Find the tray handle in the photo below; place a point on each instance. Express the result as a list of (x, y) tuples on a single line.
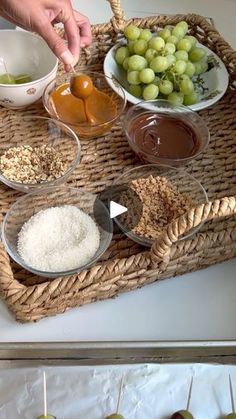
[(118, 19), (161, 249)]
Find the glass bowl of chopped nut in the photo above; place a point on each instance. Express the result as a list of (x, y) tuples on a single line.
[(153, 196), (40, 152)]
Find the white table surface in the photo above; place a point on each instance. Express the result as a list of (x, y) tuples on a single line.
[(200, 305)]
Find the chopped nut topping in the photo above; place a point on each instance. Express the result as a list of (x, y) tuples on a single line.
[(32, 165), (161, 204)]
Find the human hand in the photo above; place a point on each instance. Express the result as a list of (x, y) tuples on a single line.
[(40, 16)]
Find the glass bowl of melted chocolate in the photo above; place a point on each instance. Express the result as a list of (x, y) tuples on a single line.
[(161, 132)]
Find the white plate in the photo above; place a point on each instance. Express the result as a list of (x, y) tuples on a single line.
[(216, 80)]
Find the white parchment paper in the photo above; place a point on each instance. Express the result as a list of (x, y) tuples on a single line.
[(149, 391)]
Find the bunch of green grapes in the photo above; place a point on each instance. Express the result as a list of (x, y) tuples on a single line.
[(163, 65)]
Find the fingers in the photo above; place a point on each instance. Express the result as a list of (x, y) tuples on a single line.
[(84, 28), (73, 38), (54, 41)]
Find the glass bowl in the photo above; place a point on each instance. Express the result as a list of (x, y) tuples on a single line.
[(160, 132), (179, 178), (35, 131), (30, 204), (85, 129)]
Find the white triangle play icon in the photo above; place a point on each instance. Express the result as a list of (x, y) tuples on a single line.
[(116, 209)]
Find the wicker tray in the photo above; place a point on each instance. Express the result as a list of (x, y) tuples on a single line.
[(126, 265)]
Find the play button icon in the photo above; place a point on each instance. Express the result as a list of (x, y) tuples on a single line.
[(123, 205), (116, 209)]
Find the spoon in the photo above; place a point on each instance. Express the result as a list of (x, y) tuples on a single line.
[(7, 77)]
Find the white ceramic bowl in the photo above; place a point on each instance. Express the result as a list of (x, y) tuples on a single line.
[(25, 52)]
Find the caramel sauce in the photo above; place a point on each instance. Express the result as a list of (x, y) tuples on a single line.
[(164, 136), (70, 109)]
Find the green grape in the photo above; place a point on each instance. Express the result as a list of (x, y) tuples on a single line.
[(46, 417), (7, 78), (132, 32), (190, 69), (150, 54), (150, 92), (172, 40), (179, 67), (169, 48), (146, 75), (184, 44), (191, 99), (197, 54), (171, 59), (181, 55), (159, 64), (126, 64), (157, 43), (156, 81), (183, 25), (186, 86), (176, 98), (191, 39), (178, 32), (121, 54), (166, 87), (130, 46), (198, 68), (145, 34), (140, 47), (135, 90), (165, 33), (133, 77), (137, 63), (115, 416)]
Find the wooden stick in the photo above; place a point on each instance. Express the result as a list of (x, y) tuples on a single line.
[(45, 394), (119, 395), (231, 394), (189, 393)]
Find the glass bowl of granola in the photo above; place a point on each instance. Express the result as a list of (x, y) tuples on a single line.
[(39, 152), (153, 196)]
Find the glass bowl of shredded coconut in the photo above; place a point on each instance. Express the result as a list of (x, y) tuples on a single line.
[(40, 152), (57, 231)]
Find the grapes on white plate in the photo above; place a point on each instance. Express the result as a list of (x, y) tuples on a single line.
[(184, 44), (146, 75), (172, 39), (137, 63), (165, 33), (150, 54), (159, 64), (181, 55), (186, 86), (145, 34), (190, 69), (120, 54), (169, 48), (191, 99), (166, 87), (176, 98), (140, 47), (136, 90), (197, 54), (132, 32), (133, 77), (157, 43), (150, 92), (179, 67)]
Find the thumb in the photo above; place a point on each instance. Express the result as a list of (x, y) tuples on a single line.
[(56, 43)]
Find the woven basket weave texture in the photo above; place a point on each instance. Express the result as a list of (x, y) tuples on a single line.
[(126, 265)]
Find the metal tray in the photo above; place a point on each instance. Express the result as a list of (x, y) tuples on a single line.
[(102, 353)]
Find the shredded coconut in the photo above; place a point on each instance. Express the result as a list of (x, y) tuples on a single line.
[(58, 239)]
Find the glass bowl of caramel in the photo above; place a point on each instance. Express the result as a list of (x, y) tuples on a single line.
[(163, 133), (152, 196), (90, 115)]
